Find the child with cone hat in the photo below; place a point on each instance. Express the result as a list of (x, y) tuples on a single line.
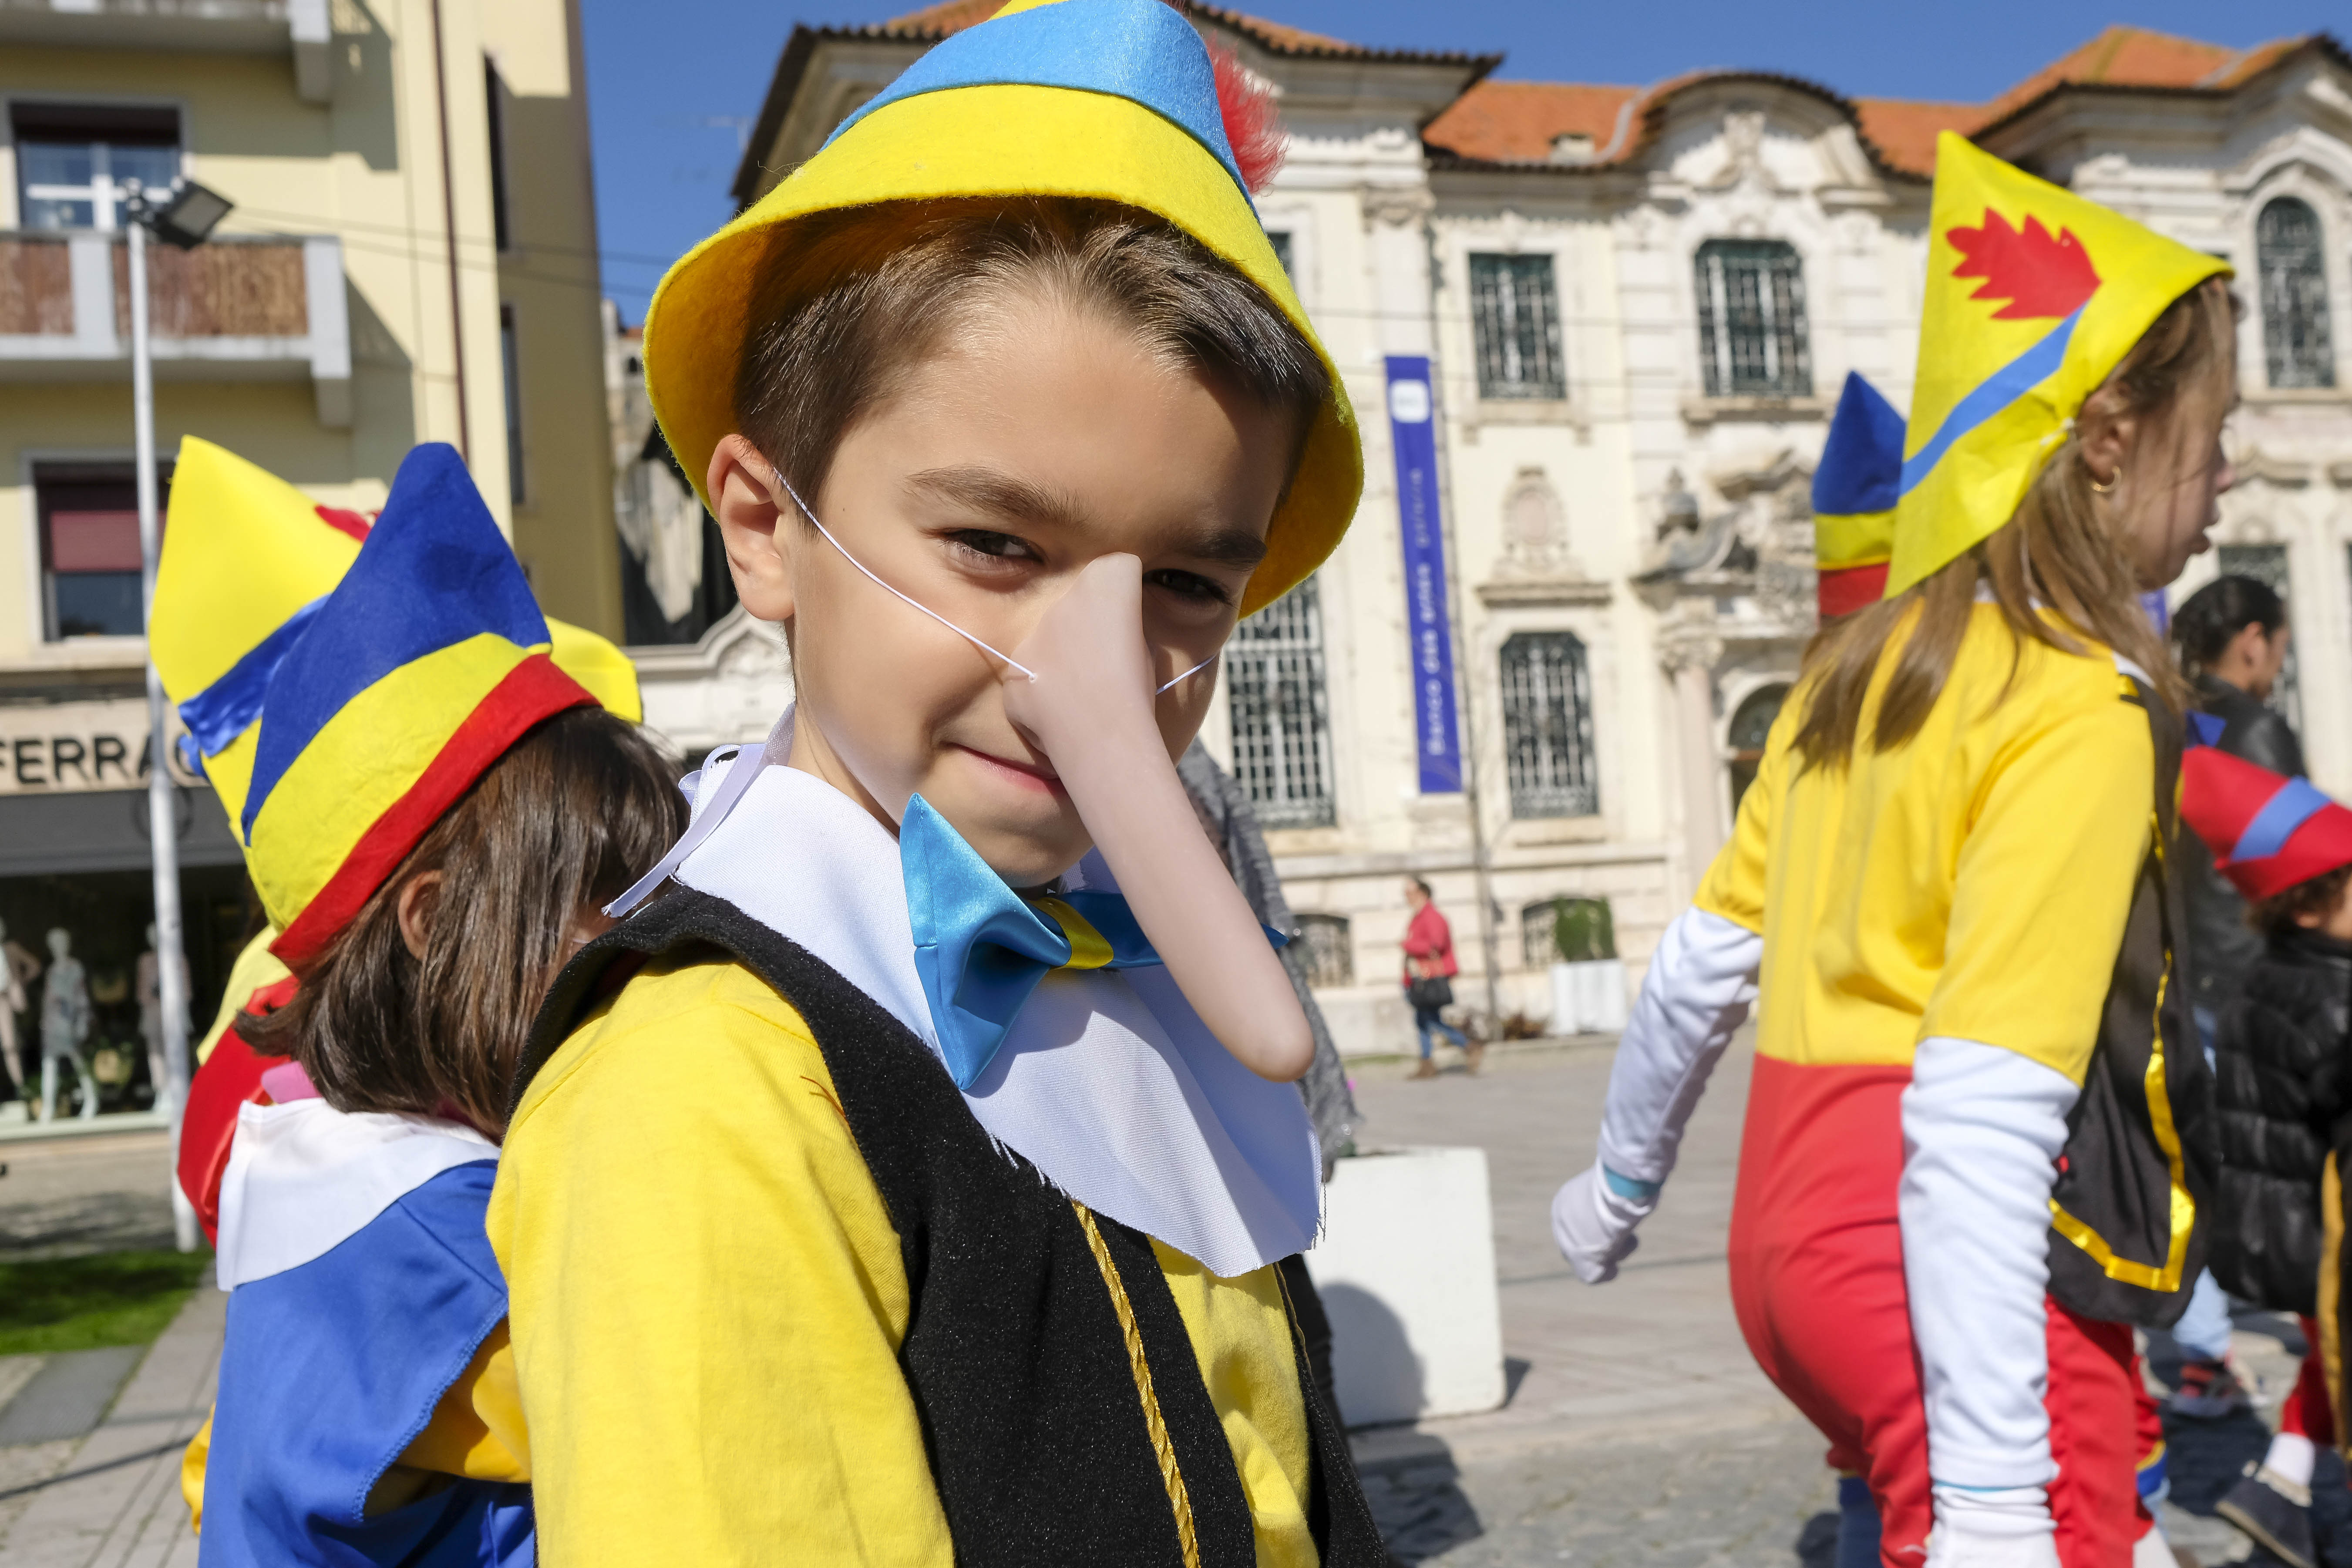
[(433, 786), (965, 1248), (1947, 889), (2284, 1081)]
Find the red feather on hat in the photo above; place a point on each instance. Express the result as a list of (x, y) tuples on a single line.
[(1253, 125)]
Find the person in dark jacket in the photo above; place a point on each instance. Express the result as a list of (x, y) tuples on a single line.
[(2284, 1085), (2232, 637)]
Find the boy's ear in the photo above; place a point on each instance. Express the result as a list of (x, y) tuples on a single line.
[(743, 501)]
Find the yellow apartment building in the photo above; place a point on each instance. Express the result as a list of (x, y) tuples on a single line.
[(411, 258)]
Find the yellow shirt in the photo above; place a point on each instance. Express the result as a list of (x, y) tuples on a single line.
[(1971, 884), (708, 1301)]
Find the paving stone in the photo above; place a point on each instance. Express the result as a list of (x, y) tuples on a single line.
[(67, 1396)]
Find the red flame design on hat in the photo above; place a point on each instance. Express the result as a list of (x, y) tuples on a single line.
[(2039, 275)]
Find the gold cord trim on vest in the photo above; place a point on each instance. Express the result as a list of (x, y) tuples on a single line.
[(1179, 1499)]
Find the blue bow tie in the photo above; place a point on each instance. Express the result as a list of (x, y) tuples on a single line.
[(982, 949)]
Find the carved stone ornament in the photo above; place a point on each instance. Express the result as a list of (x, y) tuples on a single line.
[(1399, 206), (1535, 532)]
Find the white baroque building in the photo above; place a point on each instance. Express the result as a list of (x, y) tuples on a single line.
[(1606, 325)]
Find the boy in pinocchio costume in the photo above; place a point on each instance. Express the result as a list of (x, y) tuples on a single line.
[(1971, 1157), (905, 1185)]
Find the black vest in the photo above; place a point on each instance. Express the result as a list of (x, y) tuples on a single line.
[(2125, 1238), (1062, 1407)]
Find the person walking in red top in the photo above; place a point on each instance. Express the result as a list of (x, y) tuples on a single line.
[(1429, 969)]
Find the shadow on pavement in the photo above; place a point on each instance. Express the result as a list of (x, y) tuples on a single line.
[(1418, 1502)]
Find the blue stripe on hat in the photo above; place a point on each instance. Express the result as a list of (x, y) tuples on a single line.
[(1862, 460), (2297, 802), (1998, 391), (219, 713), (1141, 50), (434, 571)]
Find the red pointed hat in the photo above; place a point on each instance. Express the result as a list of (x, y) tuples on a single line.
[(2267, 832)]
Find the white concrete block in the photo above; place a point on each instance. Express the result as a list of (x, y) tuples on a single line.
[(1589, 998), (1406, 1270)]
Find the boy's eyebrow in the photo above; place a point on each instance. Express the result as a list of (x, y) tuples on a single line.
[(1001, 494), (1235, 547)]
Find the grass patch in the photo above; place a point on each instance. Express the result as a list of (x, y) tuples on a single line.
[(82, 1303)]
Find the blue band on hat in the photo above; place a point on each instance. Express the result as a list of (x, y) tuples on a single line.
[(1997, 392), (1141, 50), (221, 712), (2297, 802)]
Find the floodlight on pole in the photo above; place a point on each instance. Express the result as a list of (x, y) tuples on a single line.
[(184, 216)]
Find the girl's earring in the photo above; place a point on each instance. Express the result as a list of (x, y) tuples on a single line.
[(2099, 490)]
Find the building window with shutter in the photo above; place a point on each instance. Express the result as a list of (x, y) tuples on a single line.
[(2266, 564), (1515, 313), (1325, 950), (1548, 726), (88, 515), (2292, 257), (1281, 727), (1752, 337)]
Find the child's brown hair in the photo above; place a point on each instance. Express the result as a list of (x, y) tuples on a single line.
[(572, 814), (2306, 903)]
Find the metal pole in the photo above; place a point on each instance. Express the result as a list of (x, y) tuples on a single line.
[(162, 828)]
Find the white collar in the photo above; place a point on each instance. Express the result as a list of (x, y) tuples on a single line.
[(1107, 1083)]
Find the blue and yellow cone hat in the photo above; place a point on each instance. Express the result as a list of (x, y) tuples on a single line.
[(2033, 296), (1104, 99), (1854, 492), (339, 727)]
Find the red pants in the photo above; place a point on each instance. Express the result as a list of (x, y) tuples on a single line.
[(2306, 1413), (1817, 1282)]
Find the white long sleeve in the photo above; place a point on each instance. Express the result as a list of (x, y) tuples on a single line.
[(1700, 985), (1982, 1128)]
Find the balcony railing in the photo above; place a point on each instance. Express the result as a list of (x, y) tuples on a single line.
[(241, 308)]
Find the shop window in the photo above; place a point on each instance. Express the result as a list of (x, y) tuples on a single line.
[(1514, 314), (2266, 564), (89, 549), (1752, 337), (1281, 716), (1324, 945), (75, 161), (2291, 255), (1548, 726), (510, 363), (1751, 723)]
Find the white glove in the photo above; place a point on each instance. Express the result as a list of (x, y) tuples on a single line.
[(2006, 1529), (1595, 1227)]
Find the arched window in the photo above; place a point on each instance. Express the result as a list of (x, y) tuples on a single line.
[(1548, 726), (1323, 942), (1282, 726), (1592, 932), (1751, 722), (2291, 252), (1752, 337)]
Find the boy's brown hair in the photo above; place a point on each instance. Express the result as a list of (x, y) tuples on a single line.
[(2282, 913), (572, 814), (849, 301)]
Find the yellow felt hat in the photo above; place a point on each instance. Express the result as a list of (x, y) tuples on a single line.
[(2033, 296), (1104, 99)]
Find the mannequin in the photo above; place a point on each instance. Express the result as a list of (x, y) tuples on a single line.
[(150, 1014), (17, 967), (65, 1025)]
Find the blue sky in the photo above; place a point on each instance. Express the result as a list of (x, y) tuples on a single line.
[(672, 83)]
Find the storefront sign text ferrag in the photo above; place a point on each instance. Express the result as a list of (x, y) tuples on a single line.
[(52, 748), (1414, 436)]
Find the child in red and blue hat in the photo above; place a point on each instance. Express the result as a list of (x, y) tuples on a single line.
[(2282, 1050)]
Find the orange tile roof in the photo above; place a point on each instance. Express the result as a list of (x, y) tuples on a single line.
[(1904, 132), (1517, 121)]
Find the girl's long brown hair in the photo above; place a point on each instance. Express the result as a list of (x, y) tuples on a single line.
[(574, 813), (2056, 552)]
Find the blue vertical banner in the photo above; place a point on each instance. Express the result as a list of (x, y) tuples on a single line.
[(1412, 434)]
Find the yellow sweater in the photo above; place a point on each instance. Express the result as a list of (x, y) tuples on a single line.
[(707, 1299)]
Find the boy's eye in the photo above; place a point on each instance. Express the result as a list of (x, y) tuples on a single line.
[(1191, 585), (995, 545)]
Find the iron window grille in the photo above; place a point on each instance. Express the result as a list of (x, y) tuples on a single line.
[(2291, 254), (1326, 949), (2266, 564), (1752, 337), (1548, 726), (1515, 315), (1539, 927), (1281, 720)]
